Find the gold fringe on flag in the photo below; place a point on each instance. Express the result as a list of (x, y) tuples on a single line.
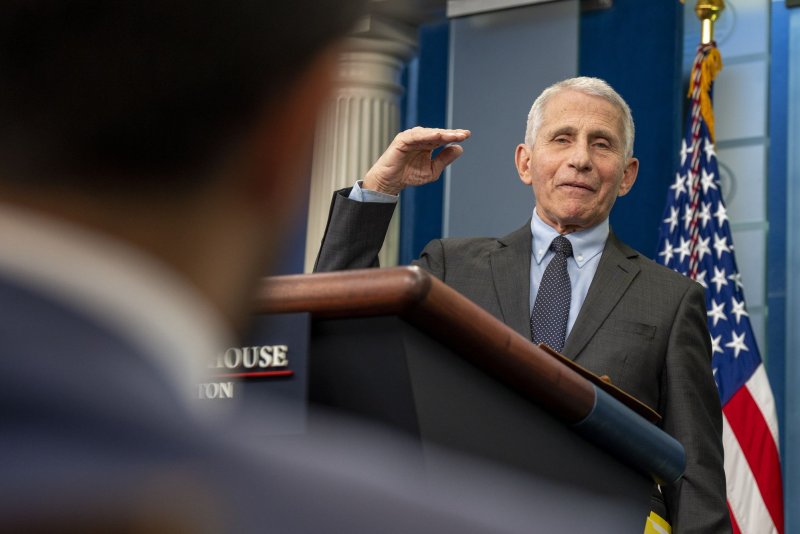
[(709, 69)]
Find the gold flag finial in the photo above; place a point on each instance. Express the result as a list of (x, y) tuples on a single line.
[(708, 11), (701, 79)]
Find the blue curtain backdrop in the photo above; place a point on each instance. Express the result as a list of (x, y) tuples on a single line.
[(647, 73), (425, 105)]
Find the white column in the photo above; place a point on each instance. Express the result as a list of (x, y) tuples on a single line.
[(362, 118)]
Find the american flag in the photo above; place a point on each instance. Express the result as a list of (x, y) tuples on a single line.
[(695, 239)]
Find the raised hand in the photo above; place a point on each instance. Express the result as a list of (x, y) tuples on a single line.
[(407, 161)]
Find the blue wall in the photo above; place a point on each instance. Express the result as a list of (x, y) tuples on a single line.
[(499, 62), (791, 179), (776, 206)]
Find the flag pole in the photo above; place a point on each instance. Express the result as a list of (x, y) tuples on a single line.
[(708, 11)]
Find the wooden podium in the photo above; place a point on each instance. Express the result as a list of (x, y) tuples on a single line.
[(400, 347)]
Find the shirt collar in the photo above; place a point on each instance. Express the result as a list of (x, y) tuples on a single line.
[(129, 291), (586, 244)]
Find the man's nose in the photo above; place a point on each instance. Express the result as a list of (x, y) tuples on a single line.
[(579, 158)]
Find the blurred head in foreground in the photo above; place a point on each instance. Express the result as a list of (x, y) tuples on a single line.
[(139, 135), (182, 127)]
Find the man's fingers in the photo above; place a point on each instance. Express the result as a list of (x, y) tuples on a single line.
[(407, 160), (429, 138), (447, 156)]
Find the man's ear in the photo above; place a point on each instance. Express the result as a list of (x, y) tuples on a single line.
[(522, 158), (628, 176)]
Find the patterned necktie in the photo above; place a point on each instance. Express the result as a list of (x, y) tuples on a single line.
[(551, 309)]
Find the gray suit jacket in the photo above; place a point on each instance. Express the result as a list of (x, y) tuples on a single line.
[(641, 324)]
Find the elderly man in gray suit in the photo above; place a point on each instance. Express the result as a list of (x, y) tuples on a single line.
[(621, 314)]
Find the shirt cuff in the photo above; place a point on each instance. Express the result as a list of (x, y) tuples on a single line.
[(365, 195)]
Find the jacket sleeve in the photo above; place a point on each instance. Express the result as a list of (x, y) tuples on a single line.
[(692, 414), (432, 259), (354, 233)]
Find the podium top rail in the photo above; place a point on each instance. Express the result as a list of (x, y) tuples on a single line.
[(435, 308)]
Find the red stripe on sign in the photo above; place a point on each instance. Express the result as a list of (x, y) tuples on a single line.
[(751, 431), (734, 524), (258, 374)]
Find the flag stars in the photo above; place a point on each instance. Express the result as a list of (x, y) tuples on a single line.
[(736, 278), (717, 312), (709, 150), (715, 345), (683, 249), (721, 214), (667, 253), (684, 151), (703, 248), (719, 278), (705, 213), (700, 278), (679, 186), (707, 181), (687, 219), (721, 245), (737, 308), (737, 344), (673, 218)]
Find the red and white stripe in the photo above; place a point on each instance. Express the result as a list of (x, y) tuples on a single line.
[(752, 463)]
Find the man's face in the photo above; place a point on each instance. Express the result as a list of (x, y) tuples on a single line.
[(577, 165)]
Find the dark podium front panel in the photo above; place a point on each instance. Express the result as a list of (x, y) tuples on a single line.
[(385, 370)]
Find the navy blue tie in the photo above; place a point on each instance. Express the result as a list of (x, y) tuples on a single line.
[(551, 309)]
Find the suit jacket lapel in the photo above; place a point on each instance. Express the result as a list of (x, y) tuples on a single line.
[(511, 273), (614, 274)]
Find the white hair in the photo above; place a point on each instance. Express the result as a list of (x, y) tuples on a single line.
[(588, 86)]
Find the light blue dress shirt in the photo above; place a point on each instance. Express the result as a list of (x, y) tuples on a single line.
[(587, 247), (367, 195)]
